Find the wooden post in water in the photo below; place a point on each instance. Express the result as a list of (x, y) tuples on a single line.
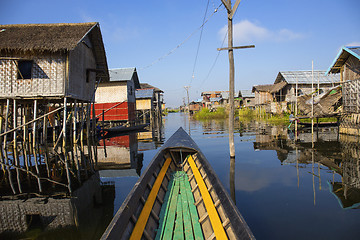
[(15, 150), (231, 11), (75, 140), (64, 146), (5, 146), (312, 104), (34, 145)]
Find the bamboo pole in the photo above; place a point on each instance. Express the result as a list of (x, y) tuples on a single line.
[(75, 141), (82, 147), (15, 149), (1, 129), (64, 146), (5, 146), (90, 157), (94, 145), (32, 121), (45, 142), (34, 145)]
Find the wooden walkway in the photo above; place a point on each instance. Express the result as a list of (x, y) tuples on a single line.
[(178, 216)]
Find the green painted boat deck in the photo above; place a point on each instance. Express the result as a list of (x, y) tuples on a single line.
[(178, 215)]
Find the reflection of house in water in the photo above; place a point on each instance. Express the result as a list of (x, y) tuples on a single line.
[(119, 153), (338, 155), (150, 140), (348, 191), (61, 215)]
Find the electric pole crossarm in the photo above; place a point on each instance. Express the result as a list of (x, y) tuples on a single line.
[(227, 5), (240, 47), (233, 11)]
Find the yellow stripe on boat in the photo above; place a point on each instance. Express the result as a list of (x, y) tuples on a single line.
[(209, 205), (144, 215)]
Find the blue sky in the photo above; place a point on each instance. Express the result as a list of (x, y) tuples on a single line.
[(288, 35)]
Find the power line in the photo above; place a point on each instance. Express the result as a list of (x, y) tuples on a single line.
[(173, 50), (212, 67), (198, 47)]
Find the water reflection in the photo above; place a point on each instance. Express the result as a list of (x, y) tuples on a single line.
[(118, 156), (328, 153), (84, 216)]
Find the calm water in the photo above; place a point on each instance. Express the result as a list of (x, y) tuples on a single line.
[(283, 189)]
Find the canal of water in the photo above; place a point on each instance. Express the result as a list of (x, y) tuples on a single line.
[(285, 186)]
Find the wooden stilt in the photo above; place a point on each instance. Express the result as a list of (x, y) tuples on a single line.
[(45, 142), (64, 146), (1, 129), (90, 158), (82, 147), (34, 145), (94, 141), (5, 146), (15, 149), (75, 140)]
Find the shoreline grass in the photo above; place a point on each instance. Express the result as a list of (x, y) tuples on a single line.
[(205, 114)]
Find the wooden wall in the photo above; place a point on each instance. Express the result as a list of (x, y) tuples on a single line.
[(80, 86), (48, 76)]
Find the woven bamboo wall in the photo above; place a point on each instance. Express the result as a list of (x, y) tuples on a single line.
[(48, 74), (351, 96)]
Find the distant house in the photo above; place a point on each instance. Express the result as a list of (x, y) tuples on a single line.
[(158, 100), (248, 98), (347, 63), (117, 97), (195, 106), (302, 80), (214, 99), (262, 94), (51, 60)]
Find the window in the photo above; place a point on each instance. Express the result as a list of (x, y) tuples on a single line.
[(24, 69)]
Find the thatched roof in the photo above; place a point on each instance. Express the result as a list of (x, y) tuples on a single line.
[(53, 38), (43, 37)]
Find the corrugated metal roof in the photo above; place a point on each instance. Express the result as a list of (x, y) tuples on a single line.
[(225, 95), (341, 58), (305, 77), (121, 74), (144, 93), (215, 99), (246, 94)]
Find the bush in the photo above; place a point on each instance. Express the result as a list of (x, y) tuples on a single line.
[(205, 113)]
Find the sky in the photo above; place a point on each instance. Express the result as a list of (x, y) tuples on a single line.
[(164, 39)]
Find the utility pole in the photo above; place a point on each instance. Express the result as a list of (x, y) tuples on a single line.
[(231, 12), (187, 93)]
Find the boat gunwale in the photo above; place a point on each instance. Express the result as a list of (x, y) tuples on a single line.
[(116, 227)]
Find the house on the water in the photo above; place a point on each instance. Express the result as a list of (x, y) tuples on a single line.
[(281, 96), (149, 102), (347, 63), (247, 98), (48, 73), (116, 98), (214, 99)]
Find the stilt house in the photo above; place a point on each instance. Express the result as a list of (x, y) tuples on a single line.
[(48, 74), (117, 97), (347, 63)]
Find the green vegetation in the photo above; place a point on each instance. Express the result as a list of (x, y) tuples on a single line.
[(246, 114), (171, 110), (205, 114)]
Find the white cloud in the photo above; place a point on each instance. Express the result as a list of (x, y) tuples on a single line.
[(354, 44), (246, 32)]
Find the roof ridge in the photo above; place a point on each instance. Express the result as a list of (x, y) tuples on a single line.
[(47, 24)]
